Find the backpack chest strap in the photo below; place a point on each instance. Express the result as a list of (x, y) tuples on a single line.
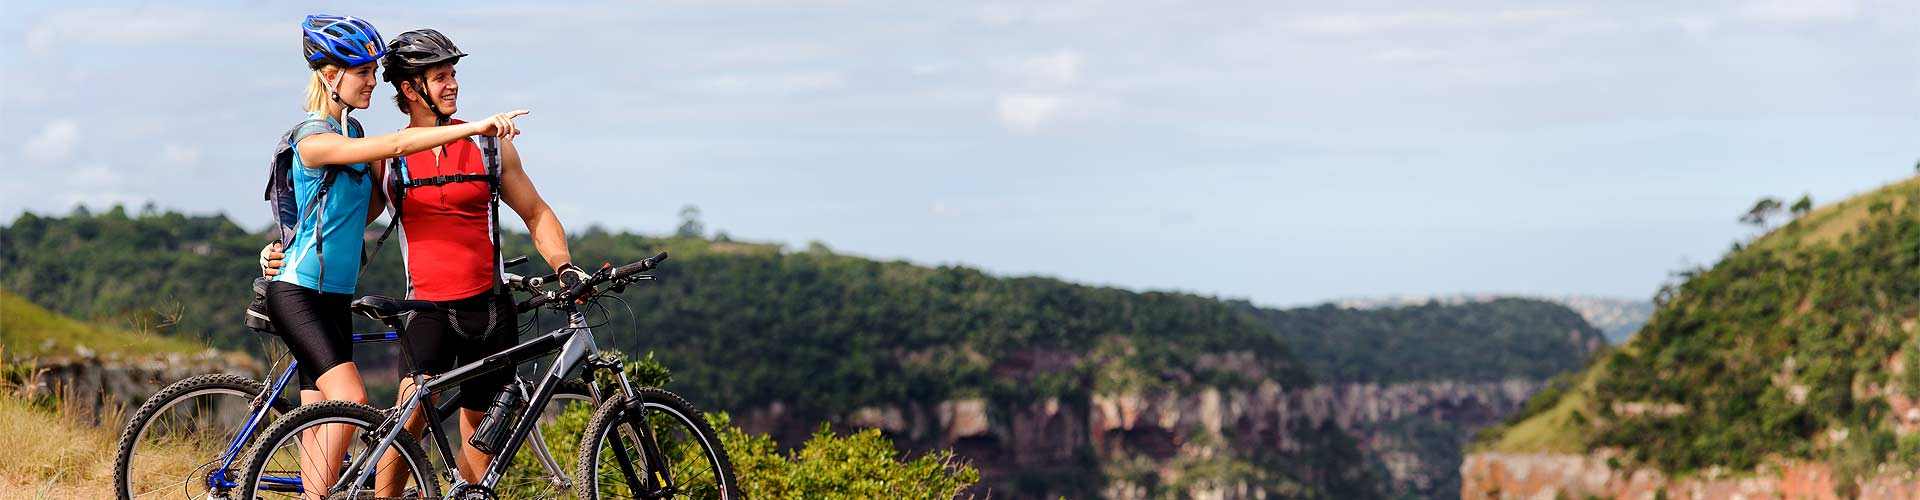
[(445, 179)]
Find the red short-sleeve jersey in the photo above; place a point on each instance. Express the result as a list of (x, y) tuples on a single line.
[(446, 230)]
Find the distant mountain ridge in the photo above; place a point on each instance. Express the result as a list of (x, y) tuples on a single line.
[(1617, 318)]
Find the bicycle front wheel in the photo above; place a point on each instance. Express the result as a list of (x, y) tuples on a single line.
[(184, 441), (309, 449), (614, 453)]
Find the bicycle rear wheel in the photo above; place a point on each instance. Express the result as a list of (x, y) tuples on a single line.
[(176, 444), (613, 464)]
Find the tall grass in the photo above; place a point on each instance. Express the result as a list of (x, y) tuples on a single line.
[(49, 452)]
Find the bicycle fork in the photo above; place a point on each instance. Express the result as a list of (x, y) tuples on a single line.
[(657, 477)]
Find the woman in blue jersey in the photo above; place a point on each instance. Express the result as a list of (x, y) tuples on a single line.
[(309, 302)]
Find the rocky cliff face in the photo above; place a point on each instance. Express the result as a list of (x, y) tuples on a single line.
[(113, 385), (1547, 475), (1207, 442)]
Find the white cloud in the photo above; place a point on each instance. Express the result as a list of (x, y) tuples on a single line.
[(179, 155), (55, 143), (1027, 113), (1006, 14), (95, 175), (148, 26), (930, 69), (778, 83), (1057, 68), (1793, 11), (766, 53), (1376, 24)]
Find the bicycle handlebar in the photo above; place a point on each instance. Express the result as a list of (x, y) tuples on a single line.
[(584, 287)]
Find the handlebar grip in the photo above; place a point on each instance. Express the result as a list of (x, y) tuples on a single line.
[(511, 263), (640, 267), (598, 277)]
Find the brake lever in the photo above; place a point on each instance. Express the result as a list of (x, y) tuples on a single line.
[(620, 285)]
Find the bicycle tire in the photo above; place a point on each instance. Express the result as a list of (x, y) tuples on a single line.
[(138, 426), (365, 417), (678, 412)]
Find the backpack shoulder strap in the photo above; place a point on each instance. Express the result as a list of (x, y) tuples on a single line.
[(395, 198), (278, 179), (490, 156)]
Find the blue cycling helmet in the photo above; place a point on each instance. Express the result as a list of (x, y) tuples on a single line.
[(345, 41)]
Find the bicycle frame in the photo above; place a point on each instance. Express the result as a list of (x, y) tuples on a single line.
[(576, 346)]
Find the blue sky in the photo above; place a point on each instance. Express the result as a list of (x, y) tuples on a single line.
[(1285, 152)]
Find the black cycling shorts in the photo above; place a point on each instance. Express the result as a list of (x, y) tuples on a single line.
[(431, 346), (317, 327)]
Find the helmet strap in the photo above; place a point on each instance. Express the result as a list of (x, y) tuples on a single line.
[(419, 85), (333, 89)]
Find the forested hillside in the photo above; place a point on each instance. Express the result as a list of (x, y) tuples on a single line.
[(1799, 346), (1037, 379)]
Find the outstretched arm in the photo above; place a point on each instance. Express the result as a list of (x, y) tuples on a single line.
[(336, 149), (517, 190)]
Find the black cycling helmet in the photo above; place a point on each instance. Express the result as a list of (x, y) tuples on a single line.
[(413, 51)]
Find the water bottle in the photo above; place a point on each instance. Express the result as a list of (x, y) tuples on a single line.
[(492, 432)]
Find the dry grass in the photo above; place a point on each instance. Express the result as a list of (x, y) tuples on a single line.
[(1827, 223), (44, 454), (52, 453)]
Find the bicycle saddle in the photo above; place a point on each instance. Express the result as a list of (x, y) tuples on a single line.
[(380, 307)]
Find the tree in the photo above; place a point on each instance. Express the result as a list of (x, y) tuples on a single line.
[(1801, 207), (690, 225), (1761, 210)]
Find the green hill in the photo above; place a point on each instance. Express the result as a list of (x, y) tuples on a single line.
[(31, 331), (1798, 345)]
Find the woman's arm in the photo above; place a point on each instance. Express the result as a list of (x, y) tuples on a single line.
[(336, 149), (517, 190)]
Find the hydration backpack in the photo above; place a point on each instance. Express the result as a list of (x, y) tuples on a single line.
[(286, 212)]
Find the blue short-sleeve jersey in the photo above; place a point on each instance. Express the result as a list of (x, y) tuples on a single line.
[(340, 221)]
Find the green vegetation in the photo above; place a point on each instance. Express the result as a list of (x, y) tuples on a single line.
[(1553, 420), (877, 332), (1484, 341), (744, 325), (31, 331), (863, 464), (1778, 351)]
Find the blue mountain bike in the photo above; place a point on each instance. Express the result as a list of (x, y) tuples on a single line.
[(187, 440)]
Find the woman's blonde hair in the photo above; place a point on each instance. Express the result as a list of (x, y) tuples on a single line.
[(317, 94)]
